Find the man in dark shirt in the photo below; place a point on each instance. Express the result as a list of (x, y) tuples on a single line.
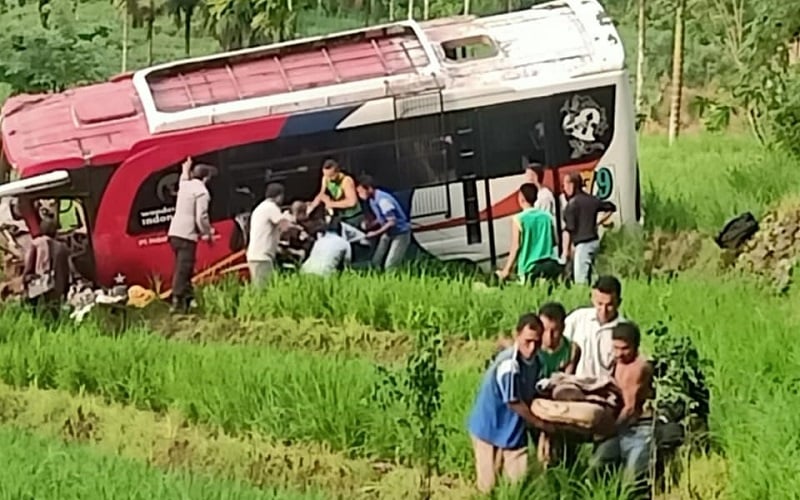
[(581, 240)]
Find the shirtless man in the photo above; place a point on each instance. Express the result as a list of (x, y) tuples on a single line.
[(633, 434)]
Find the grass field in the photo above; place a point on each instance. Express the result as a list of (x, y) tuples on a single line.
[(267, 395)]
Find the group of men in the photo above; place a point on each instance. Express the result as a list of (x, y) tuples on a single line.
[(534, 243), (318, 226), (590, 342)]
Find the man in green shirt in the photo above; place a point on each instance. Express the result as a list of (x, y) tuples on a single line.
[(532, 241), (557, 354)]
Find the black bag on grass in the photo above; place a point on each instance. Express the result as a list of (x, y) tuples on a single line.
[(737, 231)]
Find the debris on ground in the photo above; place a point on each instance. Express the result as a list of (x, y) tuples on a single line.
[(774, 250), (668, 252)]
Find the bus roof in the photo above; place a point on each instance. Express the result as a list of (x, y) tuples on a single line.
[(99, 124)]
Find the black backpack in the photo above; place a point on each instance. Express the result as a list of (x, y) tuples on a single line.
[(737, 231)]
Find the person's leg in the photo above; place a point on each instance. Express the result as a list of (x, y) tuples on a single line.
[(380, 252), (486, 464), (260, 271), (592, 248), (398, 247), (636, 446), (580, 268), (515, 463), (190, 257), (606, 453), (182, 274)]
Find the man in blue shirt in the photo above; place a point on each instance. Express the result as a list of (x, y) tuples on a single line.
[(392, 228), (501, 411)]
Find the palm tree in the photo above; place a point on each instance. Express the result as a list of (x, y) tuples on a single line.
[(182, 11), (150, 11), (677, 71), (131, 13)]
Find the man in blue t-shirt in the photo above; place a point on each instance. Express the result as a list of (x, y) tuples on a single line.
[(392, 228), (501, 411)]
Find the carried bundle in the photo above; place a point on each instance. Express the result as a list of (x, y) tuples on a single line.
[(585, 405)]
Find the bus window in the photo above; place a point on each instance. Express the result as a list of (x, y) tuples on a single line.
[(512, 131), (154, 203), (68, 218), (469, 48)]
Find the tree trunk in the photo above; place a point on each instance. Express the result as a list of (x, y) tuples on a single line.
[(150, 22), (411, 9), (391, 10), (466, 7), (677, 73), (426, 9), (125, 42), (187, 31), (640, 48)]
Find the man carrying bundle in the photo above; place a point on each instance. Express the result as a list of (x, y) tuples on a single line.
[(501, 411), (633, 434)]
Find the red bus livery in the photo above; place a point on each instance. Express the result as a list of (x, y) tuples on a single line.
[(443, 113)]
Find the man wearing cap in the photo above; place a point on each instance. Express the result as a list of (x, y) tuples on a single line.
[(189, 223)]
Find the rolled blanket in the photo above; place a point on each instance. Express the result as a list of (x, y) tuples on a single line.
[(577, 416), (600, 390)]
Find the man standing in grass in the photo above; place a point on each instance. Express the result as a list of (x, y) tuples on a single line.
[(631, 445), (582, 215), (392, 229), (266, 224), (497, 424), (532, 241), (590, 328), (189, 223)]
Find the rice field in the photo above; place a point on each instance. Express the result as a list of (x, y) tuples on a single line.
[(269, 394)]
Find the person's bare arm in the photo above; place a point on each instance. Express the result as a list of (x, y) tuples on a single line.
[(512, 251), (632, 394), (524, 411), (349, 200), (575, 357), (186, 169), (390, 223), (606, 210), (317, 199)]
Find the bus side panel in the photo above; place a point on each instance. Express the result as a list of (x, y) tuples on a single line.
[(145, 257), (573, 131)]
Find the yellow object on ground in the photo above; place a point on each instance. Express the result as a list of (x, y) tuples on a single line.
[(139, 296)]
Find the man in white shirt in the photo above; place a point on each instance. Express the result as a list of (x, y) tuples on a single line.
[(330, 252), (266, 223), (590, 328), (534, 174)]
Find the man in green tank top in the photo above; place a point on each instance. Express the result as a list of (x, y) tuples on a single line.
[(337, 192), (532, 241)]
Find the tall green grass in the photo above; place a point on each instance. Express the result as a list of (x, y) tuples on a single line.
[(705, 179), (35, 468), (320, 397)]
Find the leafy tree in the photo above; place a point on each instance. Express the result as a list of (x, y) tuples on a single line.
[(150, 11), (41, 60), (238, 24), (183, 11)]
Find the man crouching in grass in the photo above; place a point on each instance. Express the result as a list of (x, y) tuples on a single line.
[(501, 411)]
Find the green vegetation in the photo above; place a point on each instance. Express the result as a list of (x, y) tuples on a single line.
[(42, 469), (274, 388), (241, 389)]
